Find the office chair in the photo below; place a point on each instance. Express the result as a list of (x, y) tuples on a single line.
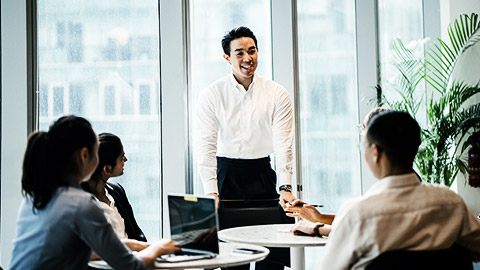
[(238, 217), (456, 257)]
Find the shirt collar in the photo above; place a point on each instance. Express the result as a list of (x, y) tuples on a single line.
[(239, 86), (394, 181)]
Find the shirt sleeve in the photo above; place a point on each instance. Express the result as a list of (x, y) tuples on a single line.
[(96, 231), (345, 243), (205, 141), (470, 233), (283, 133)]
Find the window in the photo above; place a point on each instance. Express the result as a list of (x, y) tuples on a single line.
[(330, 160), (328, 114), (108, 98), (145, 98), (58, 99), (94, 54), (207, 63), (398, 20)]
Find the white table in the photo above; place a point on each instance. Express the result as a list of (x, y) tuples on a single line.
[(277, 235), (226, 258)]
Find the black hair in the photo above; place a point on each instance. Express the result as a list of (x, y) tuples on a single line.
[(109, 149), (397, 134), (235, 33), (49, 157)]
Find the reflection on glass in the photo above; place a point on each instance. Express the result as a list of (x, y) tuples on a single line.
[(193, 222), (97, 59), (207, 63)]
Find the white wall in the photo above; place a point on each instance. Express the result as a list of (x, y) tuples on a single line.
[(450, 10), (14, 118)]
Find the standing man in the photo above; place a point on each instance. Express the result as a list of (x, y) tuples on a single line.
[(241, 119)]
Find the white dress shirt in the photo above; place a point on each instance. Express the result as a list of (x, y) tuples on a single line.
[(234, 123), (112, 214), (399, 212)]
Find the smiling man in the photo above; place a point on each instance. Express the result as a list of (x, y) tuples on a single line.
[(241, 119)]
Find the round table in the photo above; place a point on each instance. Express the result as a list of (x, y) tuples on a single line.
[(226, 258), (276, 235)]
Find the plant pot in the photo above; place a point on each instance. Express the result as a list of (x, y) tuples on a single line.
[(474, 166)]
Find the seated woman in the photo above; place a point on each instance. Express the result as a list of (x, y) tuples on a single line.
[(59, 224), (111, 196)]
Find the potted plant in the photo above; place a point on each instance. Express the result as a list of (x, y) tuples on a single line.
[(473, 159), (448, 116)]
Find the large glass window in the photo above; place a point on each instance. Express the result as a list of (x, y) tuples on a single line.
[(100, 60), (330, 157), (328, 102), (398, 20), (207, 63)]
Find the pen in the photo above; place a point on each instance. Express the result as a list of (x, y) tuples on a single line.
[(314, 205), (301, 204)]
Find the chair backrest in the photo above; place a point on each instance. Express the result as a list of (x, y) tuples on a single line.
[(237, 217), (456, 257)]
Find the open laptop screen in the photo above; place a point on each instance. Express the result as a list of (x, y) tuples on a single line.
[(193, 222)]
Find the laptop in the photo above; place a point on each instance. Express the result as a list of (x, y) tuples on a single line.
[(194, 224)]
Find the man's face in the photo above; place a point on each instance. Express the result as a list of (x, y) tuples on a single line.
[(242, 58)]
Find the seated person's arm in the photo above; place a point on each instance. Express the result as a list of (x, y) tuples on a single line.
[(309, 213), (318, 229), (161, 247), (135, 245), (132, 244)]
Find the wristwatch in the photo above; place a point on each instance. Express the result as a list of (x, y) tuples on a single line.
[(286, 188), (316, 229)]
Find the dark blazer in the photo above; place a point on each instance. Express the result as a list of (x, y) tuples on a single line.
[(124, 208)]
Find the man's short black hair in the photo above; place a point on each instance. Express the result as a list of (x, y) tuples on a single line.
[(235, 33), (397, 134)]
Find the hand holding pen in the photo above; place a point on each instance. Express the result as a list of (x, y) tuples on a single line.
[(303, 210)]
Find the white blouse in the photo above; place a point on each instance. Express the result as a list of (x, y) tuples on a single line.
[(112, 214)]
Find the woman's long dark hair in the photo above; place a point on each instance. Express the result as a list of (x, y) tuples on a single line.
[(109, 149), (49, 157)]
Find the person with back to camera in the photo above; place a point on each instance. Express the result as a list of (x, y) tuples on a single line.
[(111, 196), (398, 212), (58, 223), (309, 212)]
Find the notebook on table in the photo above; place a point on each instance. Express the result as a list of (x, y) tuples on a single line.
[(194, 224)]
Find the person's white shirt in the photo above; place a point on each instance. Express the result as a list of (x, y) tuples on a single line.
[(399, 212), (112, 214), (234, 123)]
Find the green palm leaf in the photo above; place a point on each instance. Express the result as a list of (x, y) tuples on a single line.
[(449, 118)]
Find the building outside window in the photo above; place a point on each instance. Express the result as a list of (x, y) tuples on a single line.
[(99, 49)]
